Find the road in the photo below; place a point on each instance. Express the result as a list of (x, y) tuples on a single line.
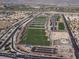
[(76, 49), (14, 37), (14, 55), (55, 12), (12, 26), (10, 33)]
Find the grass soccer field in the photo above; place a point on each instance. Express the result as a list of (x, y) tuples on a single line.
[(36, 37)]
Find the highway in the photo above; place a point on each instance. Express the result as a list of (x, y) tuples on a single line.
[(74, 45), (13, 26), (10, 33), (15, 55), (14, 38), (55, 12)]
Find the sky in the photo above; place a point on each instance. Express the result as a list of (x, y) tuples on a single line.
[(50, 2)]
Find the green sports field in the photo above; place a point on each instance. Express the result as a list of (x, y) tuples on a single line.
[(61, 26), (36, 36)]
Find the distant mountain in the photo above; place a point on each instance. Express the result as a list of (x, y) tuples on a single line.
[(59, 2)]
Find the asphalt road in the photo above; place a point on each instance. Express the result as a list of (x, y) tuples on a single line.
[(26, 20), (76, 48), (17, 56), (16, 26)]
